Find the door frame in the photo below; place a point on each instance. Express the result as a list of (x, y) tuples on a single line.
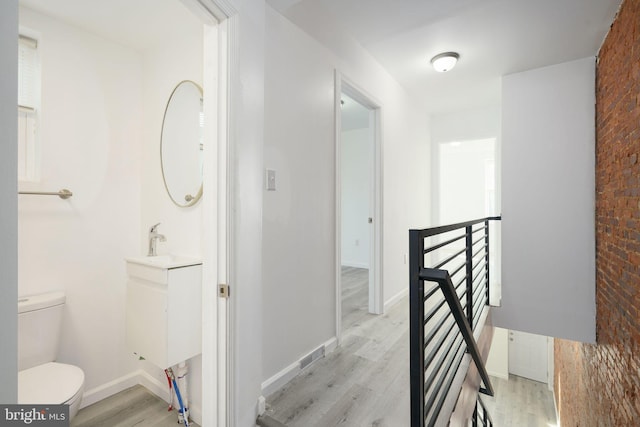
[(515, 341), (220, 64), (376, 300)]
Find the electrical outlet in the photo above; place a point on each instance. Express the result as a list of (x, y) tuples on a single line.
[(262, 405), (405, 258)]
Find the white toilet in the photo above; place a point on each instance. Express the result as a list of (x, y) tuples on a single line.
[(41, 380)]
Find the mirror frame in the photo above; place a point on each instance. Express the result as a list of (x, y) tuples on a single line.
[(195, 198)]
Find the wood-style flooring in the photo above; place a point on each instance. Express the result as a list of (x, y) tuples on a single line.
[(365, 381), (135, 406), (520, 402), (355, 296)]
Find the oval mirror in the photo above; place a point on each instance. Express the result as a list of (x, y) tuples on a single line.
[(181, 144)]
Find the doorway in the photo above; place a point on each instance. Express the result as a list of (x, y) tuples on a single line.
[(466, 188), (208, 35), (528, 354), (358, 222), (466, 180)]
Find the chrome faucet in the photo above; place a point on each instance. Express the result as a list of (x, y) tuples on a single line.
[(154, 236)]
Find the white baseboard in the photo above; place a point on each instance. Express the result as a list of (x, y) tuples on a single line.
[(395, 299), (287, 374), (152, 384), (498, 375), (109, 389), (139, 377)]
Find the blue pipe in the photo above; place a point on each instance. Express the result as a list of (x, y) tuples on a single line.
[(182, 408)]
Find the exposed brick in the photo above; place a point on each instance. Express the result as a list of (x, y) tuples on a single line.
[(599, 385)]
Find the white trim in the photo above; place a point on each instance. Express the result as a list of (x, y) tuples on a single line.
[(233, 90), (498, 375), (103, 391), (210, 10), (376, 297), (403, 294), (224, 349), (338, 203), (139, 377), (278, 380), (160, 389), (220, 64), (210, 337)]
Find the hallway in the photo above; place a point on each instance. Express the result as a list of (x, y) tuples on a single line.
[(365, 381)]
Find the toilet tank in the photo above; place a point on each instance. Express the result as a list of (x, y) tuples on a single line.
[(39, 326)]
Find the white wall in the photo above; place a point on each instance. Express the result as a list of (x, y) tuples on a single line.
[(171, 61), (461, 126), (91, 139), (299, 245), (9, 205), (480, 123), (548, 201), (466, 180), (497, 362), (357, 155)]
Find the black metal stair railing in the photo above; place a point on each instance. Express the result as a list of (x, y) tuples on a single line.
[(446, 302), (480, 416)]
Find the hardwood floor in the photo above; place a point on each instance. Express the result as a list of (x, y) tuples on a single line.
[(365, 381), (135, 406)]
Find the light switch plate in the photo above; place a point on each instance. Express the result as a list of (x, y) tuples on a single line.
[(271, 180)]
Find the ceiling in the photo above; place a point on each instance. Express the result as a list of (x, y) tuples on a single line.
[(493, 38)]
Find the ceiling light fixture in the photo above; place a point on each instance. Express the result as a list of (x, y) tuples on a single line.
[(444, 61)]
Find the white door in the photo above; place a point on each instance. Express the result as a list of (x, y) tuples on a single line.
[(528, 355)]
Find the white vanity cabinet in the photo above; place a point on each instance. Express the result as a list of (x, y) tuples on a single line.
[(164, 314)]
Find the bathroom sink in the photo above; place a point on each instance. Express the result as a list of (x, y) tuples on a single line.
[(165, 261)]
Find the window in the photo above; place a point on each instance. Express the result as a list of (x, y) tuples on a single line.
[(28, 106)]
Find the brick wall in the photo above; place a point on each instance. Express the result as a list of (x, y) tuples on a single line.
[(599, 385)]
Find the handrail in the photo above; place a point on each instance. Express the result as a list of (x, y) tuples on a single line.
[(427, 232), (444, 280), (436, 351)]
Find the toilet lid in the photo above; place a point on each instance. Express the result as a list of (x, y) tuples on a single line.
[(51, 383)]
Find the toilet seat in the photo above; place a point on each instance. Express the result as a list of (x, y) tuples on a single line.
[(50, 383)]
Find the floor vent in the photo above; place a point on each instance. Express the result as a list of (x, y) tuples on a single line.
[(312, 357)]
